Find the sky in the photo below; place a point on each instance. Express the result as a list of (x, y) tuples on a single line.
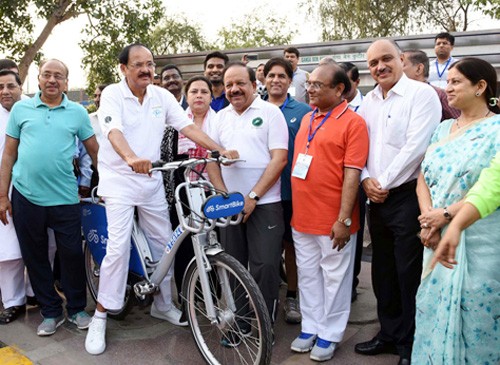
[(203, 12), (63, 42)]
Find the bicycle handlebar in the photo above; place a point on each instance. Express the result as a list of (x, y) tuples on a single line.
[(166, 166)]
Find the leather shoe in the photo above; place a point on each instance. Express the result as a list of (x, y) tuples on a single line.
[(375, 346), (11, 314), (404, 361)]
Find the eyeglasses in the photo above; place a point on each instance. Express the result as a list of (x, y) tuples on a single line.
[(139, 65), (316, 85), (48, 76)]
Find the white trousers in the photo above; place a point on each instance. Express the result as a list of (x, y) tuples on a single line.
[(325, 284), (154, 221), (14, 283)]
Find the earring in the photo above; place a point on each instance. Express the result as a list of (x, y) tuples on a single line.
[(478, 94)]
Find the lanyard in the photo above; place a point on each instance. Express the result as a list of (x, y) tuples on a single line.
[(311, 136), (356, 109), (440, 74), (284, 104)]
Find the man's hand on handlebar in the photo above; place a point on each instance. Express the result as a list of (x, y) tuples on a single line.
[(140, 165), (230, 154)]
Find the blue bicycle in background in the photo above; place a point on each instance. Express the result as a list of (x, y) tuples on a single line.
[(225, 309)]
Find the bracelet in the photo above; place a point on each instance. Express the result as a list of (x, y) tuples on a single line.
[(447, 214)]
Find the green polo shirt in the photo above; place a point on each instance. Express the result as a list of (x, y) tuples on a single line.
[(43, 172)]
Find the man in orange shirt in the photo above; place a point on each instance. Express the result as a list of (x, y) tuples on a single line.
[(331, 148)]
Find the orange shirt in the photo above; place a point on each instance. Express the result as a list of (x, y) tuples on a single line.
[(342, 141)]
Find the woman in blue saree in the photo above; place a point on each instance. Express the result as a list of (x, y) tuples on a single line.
[(458, 310)]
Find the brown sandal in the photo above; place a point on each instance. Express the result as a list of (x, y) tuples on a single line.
[(11, 314)]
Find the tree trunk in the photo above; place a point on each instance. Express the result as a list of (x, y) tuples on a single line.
[(58, 16)]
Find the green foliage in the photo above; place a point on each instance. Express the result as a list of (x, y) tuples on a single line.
[(176, 35), (91, 108), (353, 19), (16, 29), (255, 31), (113, 24)]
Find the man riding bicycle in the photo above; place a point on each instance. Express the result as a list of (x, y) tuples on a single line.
[(132, 116)]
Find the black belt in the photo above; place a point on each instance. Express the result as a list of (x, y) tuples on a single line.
[(410, 185)]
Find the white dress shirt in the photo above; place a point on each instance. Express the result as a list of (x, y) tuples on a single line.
[(355, 103), (438, 72), (400, 127)]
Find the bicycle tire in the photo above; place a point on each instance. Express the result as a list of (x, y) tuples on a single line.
[(256, 342), (92, 277)]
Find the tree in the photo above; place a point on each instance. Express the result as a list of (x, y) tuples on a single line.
[(255, 31), (176, 35), (118, 20), (352, 19), (110, 29), (16, 33)]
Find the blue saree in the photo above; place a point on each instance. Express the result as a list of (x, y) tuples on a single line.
[(458, 311)]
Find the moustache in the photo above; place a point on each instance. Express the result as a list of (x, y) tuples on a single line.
[(236, 93), (148, 74), (383, 72)]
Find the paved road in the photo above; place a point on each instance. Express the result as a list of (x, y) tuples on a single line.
[(141, 339)]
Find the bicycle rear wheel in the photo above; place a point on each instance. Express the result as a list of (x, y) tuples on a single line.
[(92, 274), (242, 333)]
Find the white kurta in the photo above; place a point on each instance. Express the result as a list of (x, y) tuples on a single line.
[(8, 239)]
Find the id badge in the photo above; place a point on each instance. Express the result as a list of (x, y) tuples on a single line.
[(302, 166)]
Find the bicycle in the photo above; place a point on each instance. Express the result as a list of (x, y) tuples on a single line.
[(225, 309)]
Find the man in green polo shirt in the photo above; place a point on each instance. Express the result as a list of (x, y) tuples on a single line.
[(38, 156)]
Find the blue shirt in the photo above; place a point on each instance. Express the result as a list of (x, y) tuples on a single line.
[(43, 172), (293, 111), (219, 103)]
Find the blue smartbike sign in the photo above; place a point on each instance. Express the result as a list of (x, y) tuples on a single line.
[(222, 206)]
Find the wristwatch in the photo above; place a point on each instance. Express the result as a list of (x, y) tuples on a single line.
[(346, 222), (447, 214), (253, 195)]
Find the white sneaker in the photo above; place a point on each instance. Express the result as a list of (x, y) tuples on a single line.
[(173, 315), (95, 342)]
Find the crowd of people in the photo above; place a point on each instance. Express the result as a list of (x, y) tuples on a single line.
[(417, 156)]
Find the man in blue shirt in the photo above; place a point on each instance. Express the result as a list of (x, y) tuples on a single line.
[(213, 66), (38, 157), (278, 74)]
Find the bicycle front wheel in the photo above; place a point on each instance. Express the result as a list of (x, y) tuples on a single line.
[(241, 333)]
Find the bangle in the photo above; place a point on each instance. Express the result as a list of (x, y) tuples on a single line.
[(447, 214)]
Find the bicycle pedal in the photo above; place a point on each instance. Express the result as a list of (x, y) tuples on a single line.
[(144, 288)]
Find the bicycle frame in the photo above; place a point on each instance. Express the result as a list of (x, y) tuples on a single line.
[(204, 240)]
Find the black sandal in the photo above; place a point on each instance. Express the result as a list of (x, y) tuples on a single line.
[(11, 314)]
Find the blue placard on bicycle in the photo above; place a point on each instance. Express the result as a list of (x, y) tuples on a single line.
[(220, 206)]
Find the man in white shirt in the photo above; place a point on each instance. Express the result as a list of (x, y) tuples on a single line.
[(401, 115), (438, 72), (133, 115), (12, 286), (298, 89), (259, 130)]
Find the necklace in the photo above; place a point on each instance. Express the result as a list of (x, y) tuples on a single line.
[(458, 126)]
